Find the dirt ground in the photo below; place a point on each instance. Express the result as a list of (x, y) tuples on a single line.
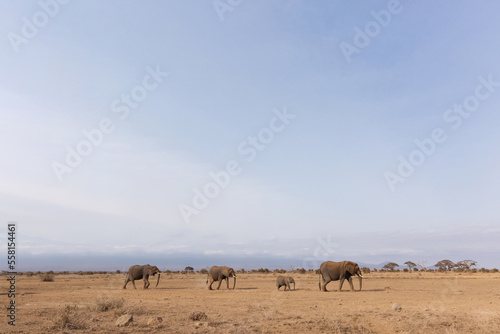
[(430, 303)]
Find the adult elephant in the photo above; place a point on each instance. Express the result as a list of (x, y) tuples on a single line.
[(285, 281), (217, 273), (141, 272), (339, 271)]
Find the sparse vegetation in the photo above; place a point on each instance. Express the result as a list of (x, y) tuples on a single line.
[(256, 312), (70, 318), (198, 316), (47, 277), (103, 304)]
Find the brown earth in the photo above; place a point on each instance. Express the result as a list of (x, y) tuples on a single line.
[(430, 302)]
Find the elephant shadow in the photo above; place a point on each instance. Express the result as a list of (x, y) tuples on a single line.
[(364, 290), (246, 288)]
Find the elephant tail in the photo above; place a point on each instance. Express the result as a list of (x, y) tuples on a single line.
[(319, 282), (207, 278)]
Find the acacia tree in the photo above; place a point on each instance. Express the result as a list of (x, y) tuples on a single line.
[(466, 264), (410, 265), (189, 269), (390, 266), (445, 265)]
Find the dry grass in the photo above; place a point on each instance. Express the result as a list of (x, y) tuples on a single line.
[(198, 316), (47, 277), (70, 318), (431, 303), (103, 304)]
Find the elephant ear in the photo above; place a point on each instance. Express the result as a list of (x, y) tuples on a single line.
[(350, 268)]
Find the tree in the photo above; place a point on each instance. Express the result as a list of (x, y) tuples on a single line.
[(390, 266), (410, 265), (445, 265), (189, 269), (203, 271), (422, 264), (466, 264)]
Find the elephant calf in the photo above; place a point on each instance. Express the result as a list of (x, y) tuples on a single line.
[(220, 273), (141, 272), (285, 281)]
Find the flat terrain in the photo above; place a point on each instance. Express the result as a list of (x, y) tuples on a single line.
[(430, 303)]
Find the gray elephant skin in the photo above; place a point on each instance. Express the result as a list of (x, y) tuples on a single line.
[(285, 281), (339, 271), (217, 273), (141, 272)]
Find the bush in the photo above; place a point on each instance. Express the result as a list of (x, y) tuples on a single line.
[(30, 273), (301, 271), (47, 277), (365, 270), (70, 318), (118, 272), (203, 271), (494, 270), (197, 316), (105, 304)]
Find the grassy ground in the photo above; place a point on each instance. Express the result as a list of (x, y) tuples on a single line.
[(430, 303)]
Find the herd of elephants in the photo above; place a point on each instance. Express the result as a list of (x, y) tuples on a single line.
[(329, 271)]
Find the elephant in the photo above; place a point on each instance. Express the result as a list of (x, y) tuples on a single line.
[(285, 281), (138, 272), (333, 271), (220, 273)]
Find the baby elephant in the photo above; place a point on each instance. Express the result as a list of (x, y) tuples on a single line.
[(285, 281)]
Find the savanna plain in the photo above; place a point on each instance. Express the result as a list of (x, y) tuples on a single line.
[(390, 302)]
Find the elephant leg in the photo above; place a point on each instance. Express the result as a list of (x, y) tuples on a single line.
[(146, 283), (133, 283), (126, 282), (288, 285), (210, 285), (350, 283), (341, 282), (220, 282), (325, 282), (227, 282)]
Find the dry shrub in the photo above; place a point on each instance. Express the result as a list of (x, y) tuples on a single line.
[(47, 277), (105, 304), (70, 318), (198, 316)]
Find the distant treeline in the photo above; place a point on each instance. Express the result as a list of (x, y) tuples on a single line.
[(365, 270)]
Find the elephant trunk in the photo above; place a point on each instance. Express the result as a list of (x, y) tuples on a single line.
[(294, 285), (234, 284), (158, 280), (360, 282)]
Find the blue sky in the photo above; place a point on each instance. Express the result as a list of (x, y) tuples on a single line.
[(321, 173)]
